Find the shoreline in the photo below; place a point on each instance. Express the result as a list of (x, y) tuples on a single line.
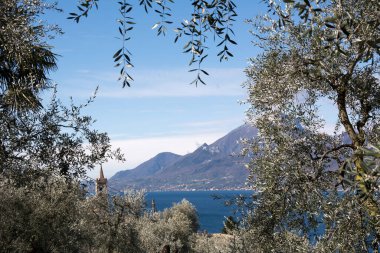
[(200, 190)]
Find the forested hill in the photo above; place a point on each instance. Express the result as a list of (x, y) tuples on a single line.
[(215, 166)]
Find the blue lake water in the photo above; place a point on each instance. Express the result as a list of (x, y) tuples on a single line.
[(212, 212)]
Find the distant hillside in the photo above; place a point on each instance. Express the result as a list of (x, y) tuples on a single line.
[(215, 166)]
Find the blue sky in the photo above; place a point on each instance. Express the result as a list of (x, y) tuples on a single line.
[(161, 111)]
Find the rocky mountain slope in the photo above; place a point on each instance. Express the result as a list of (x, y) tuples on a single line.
[(214, 166)]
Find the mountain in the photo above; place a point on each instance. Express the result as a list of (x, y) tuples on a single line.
[(123, 178), (214, 166)]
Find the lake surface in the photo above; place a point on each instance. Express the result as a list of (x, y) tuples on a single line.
[(212, 212)]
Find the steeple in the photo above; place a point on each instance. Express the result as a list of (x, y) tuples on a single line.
[(101, 183), (101, 176)]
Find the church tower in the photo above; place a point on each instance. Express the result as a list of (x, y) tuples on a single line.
[(101, 183)]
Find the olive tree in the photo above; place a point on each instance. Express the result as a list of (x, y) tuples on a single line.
[(122, 224), (113, 222), (45, 149), (56, 140), (313, 52), (174, 228), (44, 217), (43, 156)]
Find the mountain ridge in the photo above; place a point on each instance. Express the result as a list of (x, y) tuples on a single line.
[(214, 166)]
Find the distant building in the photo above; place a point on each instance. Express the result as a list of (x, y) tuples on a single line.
[(154, 209), (101, 183)]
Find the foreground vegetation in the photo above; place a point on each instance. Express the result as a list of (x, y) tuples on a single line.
[(313, 192), (56, 217)]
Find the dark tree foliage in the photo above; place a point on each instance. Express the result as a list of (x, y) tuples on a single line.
[(25, 57), (229, 225), (53, 141), (38, 141)]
